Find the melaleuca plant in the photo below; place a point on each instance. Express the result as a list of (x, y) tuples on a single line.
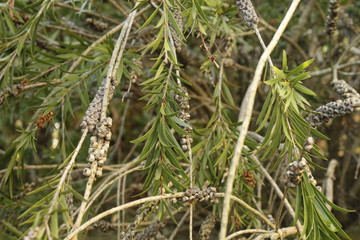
[(172, 119)]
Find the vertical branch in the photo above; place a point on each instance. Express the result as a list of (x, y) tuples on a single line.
[(114, 64), (329, 182), (118, 192), (245, 115)]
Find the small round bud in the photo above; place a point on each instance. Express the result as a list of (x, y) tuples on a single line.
[(101, 163), (185, 199), (109, 121), (83, 124), (108, 136), (99, 172), (93, 139), (302, 163), (101, 134), (183, 140), (91, 158), (310, 141), (86, 172), (94, 144), (184, 147), (308, 148), (32, 234)]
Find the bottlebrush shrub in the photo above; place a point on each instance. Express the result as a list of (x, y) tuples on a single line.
[(120, 119)]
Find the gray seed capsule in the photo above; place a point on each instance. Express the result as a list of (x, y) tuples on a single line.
[(86, 172)]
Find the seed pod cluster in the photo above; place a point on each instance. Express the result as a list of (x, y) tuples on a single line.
[(309, 144), (227, 56), (295, 171), (207, 226), (31, 235), (333, 110), (195, 194), (183, 101), (97, 25), (331, 18), (142, 213), (28, 187), (344, 89), (69, 199), (134, 76), (103, 226), (248, 177), (247, 12), (93, 113), (179, 21), (99, 146), (43, 119), (151, 231)]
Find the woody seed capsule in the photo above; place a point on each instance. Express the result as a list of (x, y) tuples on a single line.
[(247, 12), (86, 172)]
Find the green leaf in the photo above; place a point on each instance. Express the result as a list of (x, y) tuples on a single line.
[(280, 73), (304, 89), (54, 225), (148, 21), (11, 228), (284, 61), (272, 81), (300, 68)]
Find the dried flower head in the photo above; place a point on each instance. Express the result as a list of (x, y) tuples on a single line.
[(43, 119), (151, 231), (331, 18), (207, 226), (344, 89), (333, 110), (249, 178), (247, 12), (179, 21)]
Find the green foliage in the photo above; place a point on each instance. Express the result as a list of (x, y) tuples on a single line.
[(319, 222), (282, 112)]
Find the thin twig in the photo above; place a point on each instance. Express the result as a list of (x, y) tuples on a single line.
[(329, 70), (157, 198), (120, 208), (262, 43), (241, 232), (342, 56), (64, 176), (178, 226), (281, 233), (287, 38)]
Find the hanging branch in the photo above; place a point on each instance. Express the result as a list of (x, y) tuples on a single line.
[(245, 115)]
